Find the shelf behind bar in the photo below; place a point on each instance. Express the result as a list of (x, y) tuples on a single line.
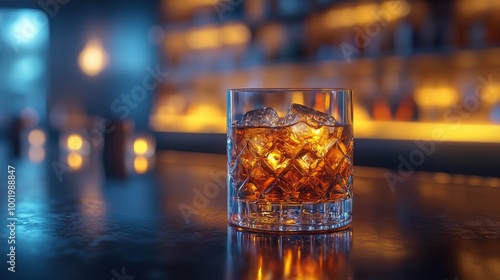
[(481, 159)]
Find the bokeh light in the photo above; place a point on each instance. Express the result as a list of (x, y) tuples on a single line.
[(36, 138), (140, 164), (75, 142), (93, 58), (140, 146), (75, 161)]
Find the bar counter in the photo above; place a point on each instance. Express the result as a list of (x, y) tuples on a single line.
[(171, 224)]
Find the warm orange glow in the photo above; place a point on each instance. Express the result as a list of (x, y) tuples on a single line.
[(206, 38), (427, 131), (492, 182), (287, 263), (201, 118), (173, 104), (490, 94), (174, 43), (360, 114), (320, 103), (195, 3), (395, 8), (75, 161), (182, 7), (297, 256), (442, 178), (436, 97), (466, 59), (215, 37), (298, 97), (366, 13), (93, 59), (381, 111), (405, 110), (36, 138), (235, 34), (140, 146), (310, 266), (364, 127), (75, 142), (339, 18), (259, 271), (471, 268), (36, 154), (205, 110), (475, 7), (188, 123), (140, 164)]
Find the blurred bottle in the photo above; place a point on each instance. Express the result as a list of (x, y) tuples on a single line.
[(114, 151)]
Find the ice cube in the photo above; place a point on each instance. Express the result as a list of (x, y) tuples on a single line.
[(300, 113), (260, 117)]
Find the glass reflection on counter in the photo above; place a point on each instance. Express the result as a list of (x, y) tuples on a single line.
[(288, 256)]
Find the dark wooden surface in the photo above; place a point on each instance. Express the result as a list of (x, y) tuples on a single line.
[(431, 226)]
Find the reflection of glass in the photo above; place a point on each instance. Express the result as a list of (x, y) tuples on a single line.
[(285, 256), (290, 158)]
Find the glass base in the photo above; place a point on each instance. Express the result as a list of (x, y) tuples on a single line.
[(303, 217)]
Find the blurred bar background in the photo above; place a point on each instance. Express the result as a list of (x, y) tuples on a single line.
[(421, 70)]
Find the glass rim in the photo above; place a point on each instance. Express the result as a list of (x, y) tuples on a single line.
[(288, 89)]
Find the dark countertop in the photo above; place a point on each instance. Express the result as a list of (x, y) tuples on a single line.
[(431, 226)]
